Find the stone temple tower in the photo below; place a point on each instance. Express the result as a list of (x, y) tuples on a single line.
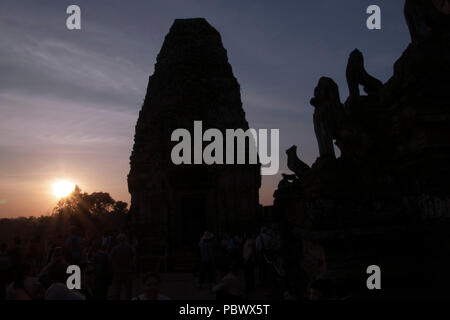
[(172, 205)]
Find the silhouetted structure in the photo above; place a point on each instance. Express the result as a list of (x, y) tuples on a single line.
[(386, 200), (173, 205), (328, 111)]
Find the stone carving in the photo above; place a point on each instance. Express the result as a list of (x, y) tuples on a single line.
[(295, 164), (285, 182), (427, 17), (356, 74), (392, 177), (328, 110)]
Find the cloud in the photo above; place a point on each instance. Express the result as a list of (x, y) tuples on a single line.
[(41, 120), (65, 67), (69, 101)]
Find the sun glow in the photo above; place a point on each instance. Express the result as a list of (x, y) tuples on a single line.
[(62, 188)]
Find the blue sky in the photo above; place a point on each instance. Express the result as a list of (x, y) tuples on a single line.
[(69, 100)]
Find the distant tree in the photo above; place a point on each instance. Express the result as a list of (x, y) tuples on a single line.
[(99, 203), (91, 212), (121, 207), (96, 203)]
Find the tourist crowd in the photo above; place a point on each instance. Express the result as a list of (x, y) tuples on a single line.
[(232, 267)]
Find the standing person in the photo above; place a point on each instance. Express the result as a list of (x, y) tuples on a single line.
[(122, 257), (88, 281), (235, 248), (134, 242), (35, 253), (249, 257), (74, 246), (16, 254), (207, 256), (263, 242), (102, 266), (162, 261), (24, 285), (57, 262), (5, 270), (106, 241), (53, 243), (49, 250), (58, 288)]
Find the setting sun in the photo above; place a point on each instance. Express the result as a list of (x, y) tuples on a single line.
[(62, 188)]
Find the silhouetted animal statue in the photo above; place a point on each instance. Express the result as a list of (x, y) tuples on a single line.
[(289, 177), (327, 114), (357, 74), (427, 17), (295, 164), (284, 183)]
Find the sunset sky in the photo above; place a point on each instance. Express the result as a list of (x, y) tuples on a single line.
[(69, 100)]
